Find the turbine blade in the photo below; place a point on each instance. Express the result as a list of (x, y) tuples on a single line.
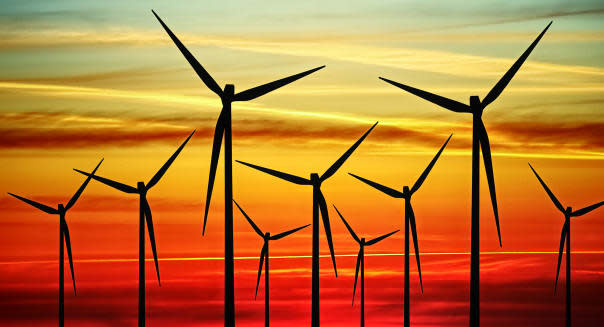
[(40, 206), (332, 170), (165, 167), (423, 176), (149, 220), (551, 195), (585, 210), (503, 82), (325, 217), (116, 185), (262, 255), (562, 240), (354, 235), (68, 246), (288, 177), (436, 99), (282, 235), (218, 133), (77, 194), (356, 274), (249, 220), (488, 167), (385, 189), (269, 87), (377, 239), (415, 245), (201, 72)]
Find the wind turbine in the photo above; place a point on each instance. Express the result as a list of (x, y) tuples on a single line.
[(409, 222), (565, 237), (264, 255), (223, 128), (361, 262), (144, 216), (480, 139), (65, 239), (318, 203)]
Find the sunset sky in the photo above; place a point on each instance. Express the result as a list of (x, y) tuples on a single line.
[(85, 80)]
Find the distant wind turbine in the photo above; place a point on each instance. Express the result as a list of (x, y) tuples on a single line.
[(318, 203), (264, 256), (223, 127), (565, 237), (409, 222), (361, 262), (144, 215), (480, 139), (65, 239)]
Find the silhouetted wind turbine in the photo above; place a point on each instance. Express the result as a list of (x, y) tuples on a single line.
[(565, 237), (144, 215), (318, 203), (264, 255), (64, 239), (223, 127), (479, 139), (409, 222), (361, 262)]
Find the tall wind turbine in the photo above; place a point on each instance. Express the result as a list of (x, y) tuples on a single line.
[(264, 259), (318, 203), (565, 237), (480, 140), (144, 216), (409, 222), (361, 262), (65, 239), (223, 128)]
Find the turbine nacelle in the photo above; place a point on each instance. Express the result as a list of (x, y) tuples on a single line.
[(476, 106), (406, 192), (315, 179), (362, 242), (568, 211), (61, 208), (228, 93), (140, 187)]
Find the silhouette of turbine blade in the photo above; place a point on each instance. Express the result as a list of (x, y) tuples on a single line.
[(356, 273), (354, 235), (262, 255), (40, 206), (585, 210), (503, 82), (249, 220), (332, 170), (282, 235), (423, 176), (415, 245), (326, 225), (201, 72), (551, 195), (436, 99), (562, 240), (377, 239), (116, 185), (385, 189), (488, 167), (288, 177), (269, 87), (218, 133), (69, 256), (77, 194), (149, 220), (160, 173)]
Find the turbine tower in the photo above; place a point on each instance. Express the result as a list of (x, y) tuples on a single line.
[(144, 216), (264, 259), (565, 238), (361, 262), (64, 239), (480, 140), (318, 204), (223, 129), (409, 223)]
